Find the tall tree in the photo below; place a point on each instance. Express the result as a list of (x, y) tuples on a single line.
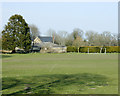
[(62, 37), (114, 40), (78, 42), (34, 31), (59, 37), (69, 40), (16, 34), (52, 33), (91, 37), (77, 32)]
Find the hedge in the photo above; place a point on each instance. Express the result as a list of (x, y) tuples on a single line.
[(94, 49), (71, 49), (112, 49)]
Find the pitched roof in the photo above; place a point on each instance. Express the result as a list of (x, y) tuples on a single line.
[(45, 39)]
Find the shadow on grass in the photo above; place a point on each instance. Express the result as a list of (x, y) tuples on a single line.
[(9, 83), (5, 56), (48, 84)]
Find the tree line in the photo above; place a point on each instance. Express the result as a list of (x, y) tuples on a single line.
[(80, 38), (17, 33)]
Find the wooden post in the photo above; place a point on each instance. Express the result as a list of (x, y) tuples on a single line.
[(53, 39)]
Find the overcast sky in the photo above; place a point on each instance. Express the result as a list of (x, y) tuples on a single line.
[(96, 16)]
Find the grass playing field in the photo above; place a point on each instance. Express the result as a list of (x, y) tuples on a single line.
[(66, 73)]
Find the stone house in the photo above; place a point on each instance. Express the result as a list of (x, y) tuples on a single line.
[(45, 44)]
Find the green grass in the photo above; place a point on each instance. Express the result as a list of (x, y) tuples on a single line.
[(68, 73)]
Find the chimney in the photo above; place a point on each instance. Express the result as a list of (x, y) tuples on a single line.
[(53, 39)]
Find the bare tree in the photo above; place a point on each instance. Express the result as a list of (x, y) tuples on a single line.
[(78, 42), (55, 36), (114, 40), (62, 37), (103, 39), (59, 37), (51, 32), (106, 37), (69, 40), (77, 32), (91, 36), (34, 31)]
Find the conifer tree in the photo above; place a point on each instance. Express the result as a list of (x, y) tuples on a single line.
[(16, 34)]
